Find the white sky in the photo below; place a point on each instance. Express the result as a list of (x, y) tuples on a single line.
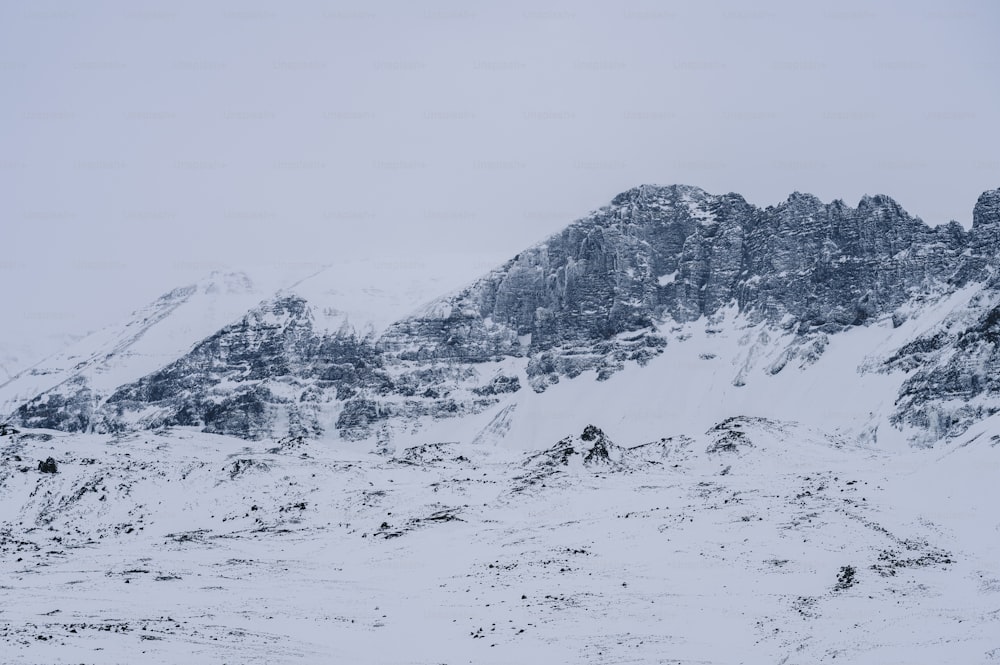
[(145, 144)]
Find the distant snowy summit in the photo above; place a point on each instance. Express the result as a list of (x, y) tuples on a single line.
[(683, 305)]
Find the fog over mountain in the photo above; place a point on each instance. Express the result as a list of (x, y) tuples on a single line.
[(363, 333), (281, 139)]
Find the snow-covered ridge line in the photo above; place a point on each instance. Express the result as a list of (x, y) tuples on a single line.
[(764, 294), (151, 337)]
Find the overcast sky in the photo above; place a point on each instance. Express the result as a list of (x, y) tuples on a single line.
[(145, 144)]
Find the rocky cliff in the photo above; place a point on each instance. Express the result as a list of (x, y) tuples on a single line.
[(612, 289)]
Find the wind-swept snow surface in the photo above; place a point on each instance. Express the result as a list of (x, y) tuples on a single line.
[(753, 541)]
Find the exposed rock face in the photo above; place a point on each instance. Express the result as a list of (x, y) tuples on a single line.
[(273, 374), (70, 408), (957, 374), (66, 390), (602, 450), (236, 381), (986, 214), (591, 450), (593, 297), (677, 251)]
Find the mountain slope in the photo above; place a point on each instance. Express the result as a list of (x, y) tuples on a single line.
[(71, 383), (742, 298), (254, 375)]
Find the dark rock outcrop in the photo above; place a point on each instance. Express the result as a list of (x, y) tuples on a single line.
[(954, 374), (69, 407), (678, 252)]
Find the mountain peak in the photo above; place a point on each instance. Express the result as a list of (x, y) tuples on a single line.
[(355, 351), (878, 201), (987, 210), (651, 192), (804, 197)]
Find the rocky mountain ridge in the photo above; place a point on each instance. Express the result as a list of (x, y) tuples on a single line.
[(612, 290)]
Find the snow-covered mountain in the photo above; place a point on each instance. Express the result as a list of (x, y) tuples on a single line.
[(350, 299), (16, 357), (87, 371), (683, 305), (684, 429)]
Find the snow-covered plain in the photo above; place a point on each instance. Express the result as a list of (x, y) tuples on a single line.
[(756, 541)]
